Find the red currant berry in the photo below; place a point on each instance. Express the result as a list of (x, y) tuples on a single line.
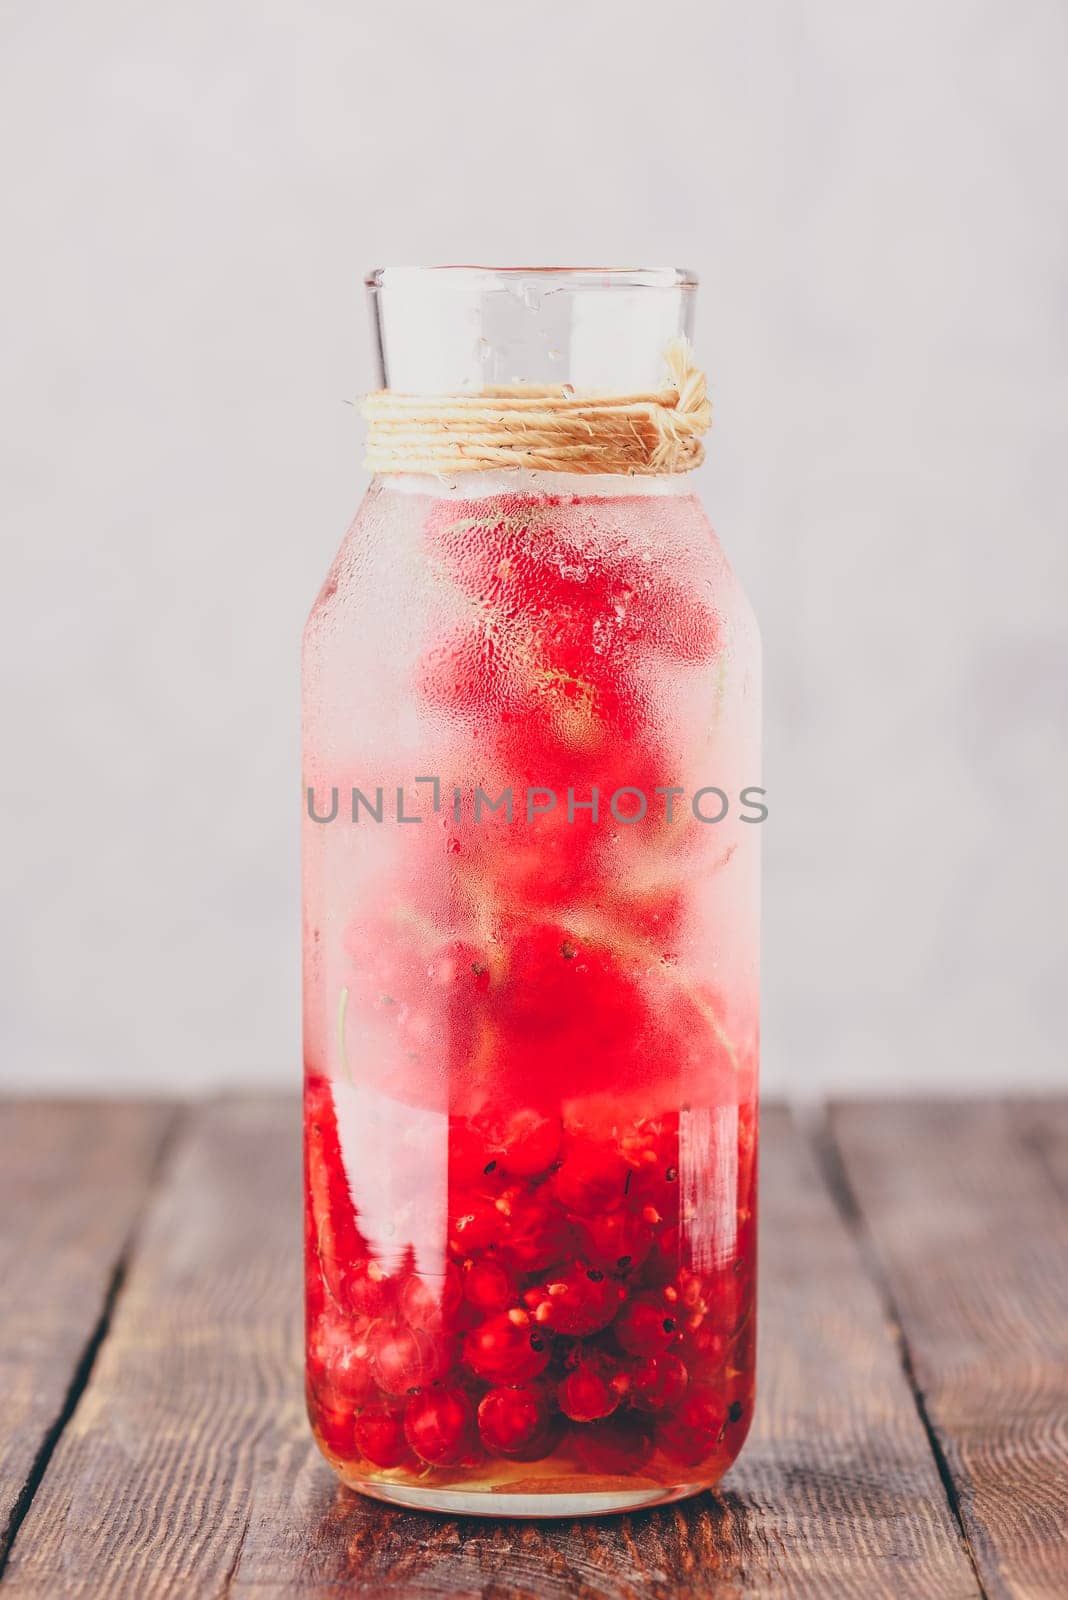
[(467, 1154), (338, 1359), (725, 1296), (334, 1424), (581, 1300), (658, 1382), (692, 1433), (705, 1353), (369, 1289), (591, 1179), (585, 1395), (740, 1412), (405, 1358), (662, 1262), (515, 1421), (683, 627), (429, 1303), (565, 1006), (507, 1348), (617, 1447), (618, 1241), (536, 1233), (380, 1437), (489, 1286), (439, 1424), (527, 1144), (476, 1222), (646, 1325)]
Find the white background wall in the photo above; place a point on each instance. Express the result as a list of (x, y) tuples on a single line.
[(874, 197)]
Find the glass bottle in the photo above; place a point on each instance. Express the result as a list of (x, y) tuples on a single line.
[(531, 853)]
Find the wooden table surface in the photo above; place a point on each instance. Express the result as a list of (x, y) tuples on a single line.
[(911, 1436)]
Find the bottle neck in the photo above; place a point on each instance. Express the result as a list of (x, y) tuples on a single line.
[(461, 330)]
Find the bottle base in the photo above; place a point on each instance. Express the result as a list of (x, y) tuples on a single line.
[(513, 1502)]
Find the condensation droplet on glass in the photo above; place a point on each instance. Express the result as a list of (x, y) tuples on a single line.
[(567, 389)]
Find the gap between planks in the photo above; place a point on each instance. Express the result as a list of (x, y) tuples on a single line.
[(162, 1124), (830, 1161)]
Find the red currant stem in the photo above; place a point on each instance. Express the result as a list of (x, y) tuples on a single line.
[(665, 872), (729, 1371), (719, 684), (325, 1241), (485, 1052), (342, 1007), (686, 984), (411, 917), (322, 1259), (740, 1329), (470, 524), (487, 521)]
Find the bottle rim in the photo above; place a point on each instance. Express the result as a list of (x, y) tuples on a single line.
[(481, 277)]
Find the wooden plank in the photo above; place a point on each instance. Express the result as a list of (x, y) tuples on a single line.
[(187, 1470), (149, 1488), (972, 1238), (73, 1178)]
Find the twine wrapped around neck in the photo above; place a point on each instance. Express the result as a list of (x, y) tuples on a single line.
[(546, 429)]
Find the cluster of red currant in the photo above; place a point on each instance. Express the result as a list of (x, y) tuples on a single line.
[(562, 1325)]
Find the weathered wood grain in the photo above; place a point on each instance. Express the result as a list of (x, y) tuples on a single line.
[(972, 1239), (73, 1178), (187, 1470)]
